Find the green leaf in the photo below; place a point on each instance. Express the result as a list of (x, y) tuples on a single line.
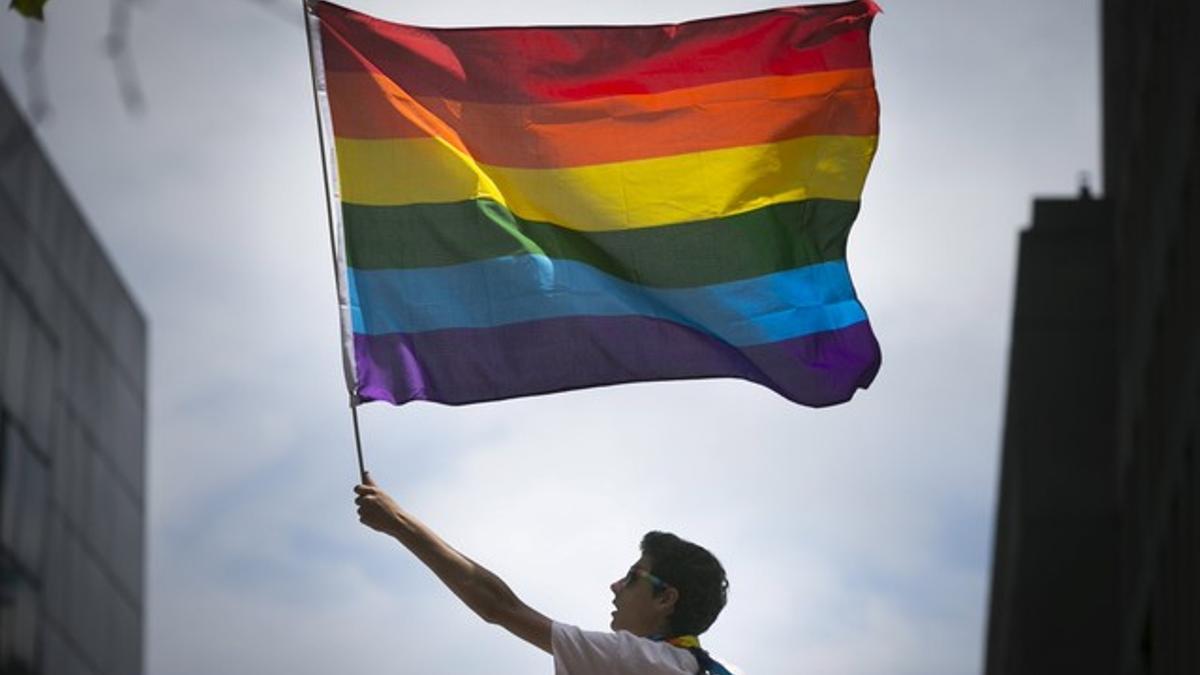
[(29, 8)]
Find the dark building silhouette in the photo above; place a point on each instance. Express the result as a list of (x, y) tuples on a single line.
[(72, 432), (1097, 548)]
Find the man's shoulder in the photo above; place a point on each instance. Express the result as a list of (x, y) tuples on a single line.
[(581, 652)]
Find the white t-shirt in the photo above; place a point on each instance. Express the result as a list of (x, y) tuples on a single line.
[(580, 652)]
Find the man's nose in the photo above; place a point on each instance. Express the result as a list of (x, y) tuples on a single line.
[(616, 586)]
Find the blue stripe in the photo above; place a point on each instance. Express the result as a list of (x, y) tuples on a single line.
[(521, 288)]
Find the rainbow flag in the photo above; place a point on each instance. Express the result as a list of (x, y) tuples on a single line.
[(519, 211)]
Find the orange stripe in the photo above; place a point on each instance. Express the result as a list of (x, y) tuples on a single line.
[(596, 131)]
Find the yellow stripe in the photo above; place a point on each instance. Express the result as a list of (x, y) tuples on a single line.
[(619, 195)]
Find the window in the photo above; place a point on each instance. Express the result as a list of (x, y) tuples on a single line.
[(40, 387), (128, 450), (94, 603), (14, 347), (18, 621), (128, 546), (59, 656), (101, 525), (72, 472), (61, 551), (6, 302), (126, 645), (24, 493)]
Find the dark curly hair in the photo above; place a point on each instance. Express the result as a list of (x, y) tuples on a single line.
[(692, 571)]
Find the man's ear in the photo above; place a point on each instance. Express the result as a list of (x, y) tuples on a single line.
[(667, 598)]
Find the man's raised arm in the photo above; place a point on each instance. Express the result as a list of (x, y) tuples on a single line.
[(485, 593)]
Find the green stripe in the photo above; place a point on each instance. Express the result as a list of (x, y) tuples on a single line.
[(771, 239)]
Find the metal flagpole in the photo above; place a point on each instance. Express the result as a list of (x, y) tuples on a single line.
[(362, 471), (318, 86)]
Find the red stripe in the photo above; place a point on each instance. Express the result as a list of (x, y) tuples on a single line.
[(554, 64)]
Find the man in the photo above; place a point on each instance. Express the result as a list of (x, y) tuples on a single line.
[(669, 596)]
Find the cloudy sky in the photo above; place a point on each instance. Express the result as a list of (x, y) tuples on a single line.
[(857, 539)]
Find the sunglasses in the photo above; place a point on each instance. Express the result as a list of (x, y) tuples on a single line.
[(634, 574)]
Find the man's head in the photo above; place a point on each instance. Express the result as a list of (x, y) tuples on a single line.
[(676, 588)]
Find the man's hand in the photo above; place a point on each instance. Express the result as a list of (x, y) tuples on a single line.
[(376, 509)]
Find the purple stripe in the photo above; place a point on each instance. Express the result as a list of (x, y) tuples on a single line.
[(468, 365)]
